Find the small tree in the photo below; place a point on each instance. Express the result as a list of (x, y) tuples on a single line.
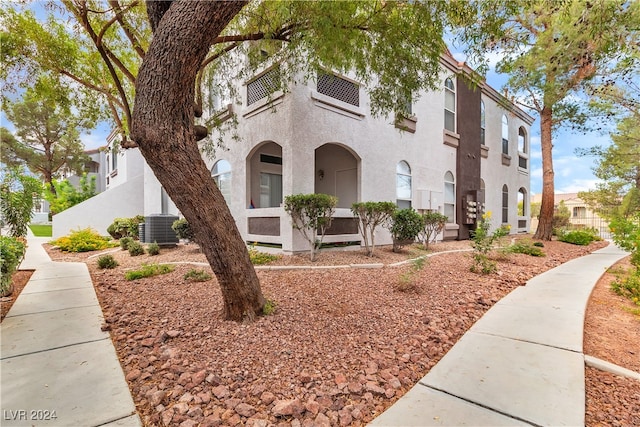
[(311, 215), (370, 215), (405, 225), (433, 223), (17, 192), (67, 195)]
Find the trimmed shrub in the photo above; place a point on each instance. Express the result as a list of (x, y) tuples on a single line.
[(525, 247), (11, 252), (149, 270), (434, 222), (107, 261), (84, 240), (370, 215), (405, 225), (125, 242), (183, 229), (125, 227), (135, 248), (153, 249), (311, 214), (538, 244), (578, 237), (197, 276)]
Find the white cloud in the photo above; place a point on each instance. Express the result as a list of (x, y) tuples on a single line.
[(577, 185)]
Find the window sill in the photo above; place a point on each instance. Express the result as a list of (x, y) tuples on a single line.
[(223, 114), (337, 106), (407, 124), (263, 105), (114, 173), (451, 139), (484, 151), (506, 159)]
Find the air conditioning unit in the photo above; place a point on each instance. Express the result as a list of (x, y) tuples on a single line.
[(157, 228)]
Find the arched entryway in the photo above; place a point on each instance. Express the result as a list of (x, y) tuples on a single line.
[(337, 174)]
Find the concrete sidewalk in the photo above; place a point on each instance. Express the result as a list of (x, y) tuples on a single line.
[(522, 363), (57, 367)]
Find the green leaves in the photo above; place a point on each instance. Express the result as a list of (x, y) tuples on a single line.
[(311, 214)]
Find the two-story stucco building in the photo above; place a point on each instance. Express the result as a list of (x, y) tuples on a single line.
[(454, 145)]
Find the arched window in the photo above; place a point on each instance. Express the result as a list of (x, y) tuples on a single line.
[(505, 204), (522, 140), (482, 122), (449, 105), (403, 185), (522, 199), (450, 197), (221, 173), (505, 135)]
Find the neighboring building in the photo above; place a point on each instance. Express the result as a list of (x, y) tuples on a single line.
[(582, 216), (456, 147), (120, 187)]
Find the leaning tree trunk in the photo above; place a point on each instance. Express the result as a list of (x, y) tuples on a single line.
[(545, 225), (163, 128)]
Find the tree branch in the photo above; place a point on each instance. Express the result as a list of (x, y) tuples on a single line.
[(125, 27)]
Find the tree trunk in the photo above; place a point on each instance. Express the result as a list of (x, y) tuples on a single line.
[(545, 225), (163, 128)]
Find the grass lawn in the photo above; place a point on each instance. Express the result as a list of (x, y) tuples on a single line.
[(41, 230)]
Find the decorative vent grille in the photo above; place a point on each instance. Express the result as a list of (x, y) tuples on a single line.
[(522, 223), (263, 86), (338, 88)]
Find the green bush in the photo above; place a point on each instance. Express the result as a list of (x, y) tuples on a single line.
[(107, 261), (260, 258), (153, 249), (405, 226), (84, 240), (434, 222), (525, 247), (125, 242), (125, 227), (578, 237), (197, 275), (183, 229), (269, 308), (149, 270), (628, 285), (135, 248), (311, 214), (538, 244), (371, 215), (17, 192), (11, 252)]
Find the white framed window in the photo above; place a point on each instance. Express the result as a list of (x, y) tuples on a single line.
[(221, 173), (403, 185), (114, 158), (270, 190), (482, 123), (505, 134), (505, 204), (522, 205), (449, 197), (449, 105), (522, 148)]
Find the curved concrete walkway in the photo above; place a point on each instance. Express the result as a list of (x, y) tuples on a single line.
[(57, 366), (522, 363)]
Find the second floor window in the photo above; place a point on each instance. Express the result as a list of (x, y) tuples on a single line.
[(449, 105), (482, 123), (505, 135)]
